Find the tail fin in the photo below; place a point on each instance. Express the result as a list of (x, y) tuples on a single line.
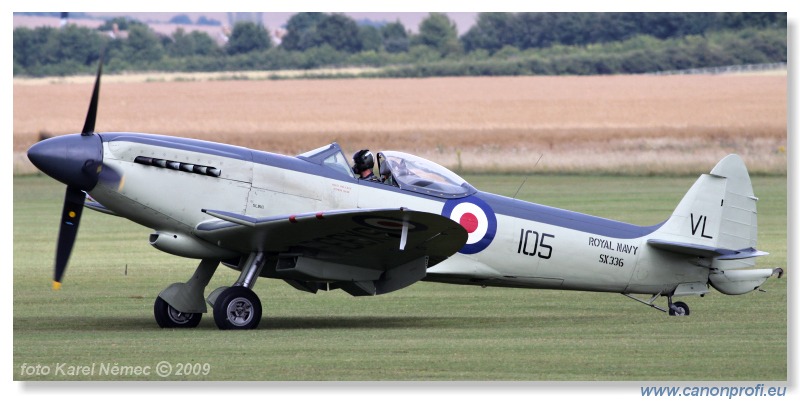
[(716, 218)]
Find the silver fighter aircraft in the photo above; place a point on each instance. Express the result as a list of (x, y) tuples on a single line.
[(312, 222)]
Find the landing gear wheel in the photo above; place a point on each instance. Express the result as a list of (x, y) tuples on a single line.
[(237, 308), (679, 309), (167, 316)]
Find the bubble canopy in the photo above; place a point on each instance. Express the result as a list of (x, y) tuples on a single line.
[(419, 175), (395, 168)]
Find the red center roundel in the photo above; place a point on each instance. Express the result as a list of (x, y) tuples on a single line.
[(389, 224), (476, 217), (469, 222)]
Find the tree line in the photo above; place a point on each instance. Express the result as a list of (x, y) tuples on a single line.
[(498, 44)]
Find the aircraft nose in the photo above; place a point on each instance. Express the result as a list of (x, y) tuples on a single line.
[(73, 159)]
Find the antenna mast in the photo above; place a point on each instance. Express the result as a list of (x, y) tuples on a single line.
[(526, 178)]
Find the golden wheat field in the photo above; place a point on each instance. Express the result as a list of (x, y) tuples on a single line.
[(610, 124)]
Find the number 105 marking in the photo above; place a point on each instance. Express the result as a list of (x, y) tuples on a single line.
[(531, 240)]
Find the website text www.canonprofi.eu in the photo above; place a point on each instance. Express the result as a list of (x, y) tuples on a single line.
[(757, 390)]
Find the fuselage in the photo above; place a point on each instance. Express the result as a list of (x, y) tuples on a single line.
[(166, 182)]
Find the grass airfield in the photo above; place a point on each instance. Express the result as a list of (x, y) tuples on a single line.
[(103, 316)]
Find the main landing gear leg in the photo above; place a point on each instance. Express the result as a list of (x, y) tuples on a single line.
[(181, 304), (238, 307), (678, 308)]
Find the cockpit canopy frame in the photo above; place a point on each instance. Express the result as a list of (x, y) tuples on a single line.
[(416, 174), (330, 156), (395, 168)]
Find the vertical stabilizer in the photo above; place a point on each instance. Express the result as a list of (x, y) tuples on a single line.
[(716, 218), (739, 226)]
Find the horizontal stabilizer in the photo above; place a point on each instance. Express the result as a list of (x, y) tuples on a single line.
[(743, 254), (704, 251)]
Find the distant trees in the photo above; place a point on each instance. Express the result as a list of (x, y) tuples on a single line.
[(248, 37), (370, 38), (51, 51), (751, 20), (202, 20), (301, 31), (28, 46), (492, 31), (439, 33), (142, 44), (186, 20), (395, 37), (180, 19), (338, 31), (498, 44), (636, 55), (194, 43)]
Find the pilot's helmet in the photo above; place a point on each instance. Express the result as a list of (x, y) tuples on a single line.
[(362, 161)]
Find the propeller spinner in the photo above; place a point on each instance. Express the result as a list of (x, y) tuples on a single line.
[(75, 160)]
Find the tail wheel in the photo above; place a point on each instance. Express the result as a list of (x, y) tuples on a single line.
[(679, 308), (237, 308), (167, 316)]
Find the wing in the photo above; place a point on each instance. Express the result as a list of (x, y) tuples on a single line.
[(92, 204), (378, 250)]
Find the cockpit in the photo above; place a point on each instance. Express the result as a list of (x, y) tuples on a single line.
[(398, 169), (417, 174)]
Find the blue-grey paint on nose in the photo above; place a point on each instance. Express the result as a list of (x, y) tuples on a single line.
[(73, 159)]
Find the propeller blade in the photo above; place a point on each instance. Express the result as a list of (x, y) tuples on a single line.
[(70, 219), (91, 115)]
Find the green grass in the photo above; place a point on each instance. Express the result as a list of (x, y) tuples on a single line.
[(103, 314)]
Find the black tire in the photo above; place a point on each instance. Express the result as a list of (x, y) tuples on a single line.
[(237, 308), (168, 317), (682, 309)]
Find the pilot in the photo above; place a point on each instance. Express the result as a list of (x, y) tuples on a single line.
[(363, 162)]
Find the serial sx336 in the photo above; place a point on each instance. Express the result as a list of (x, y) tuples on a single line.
[(311, 222)]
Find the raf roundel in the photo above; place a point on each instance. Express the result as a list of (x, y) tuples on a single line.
[(477, 217)]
